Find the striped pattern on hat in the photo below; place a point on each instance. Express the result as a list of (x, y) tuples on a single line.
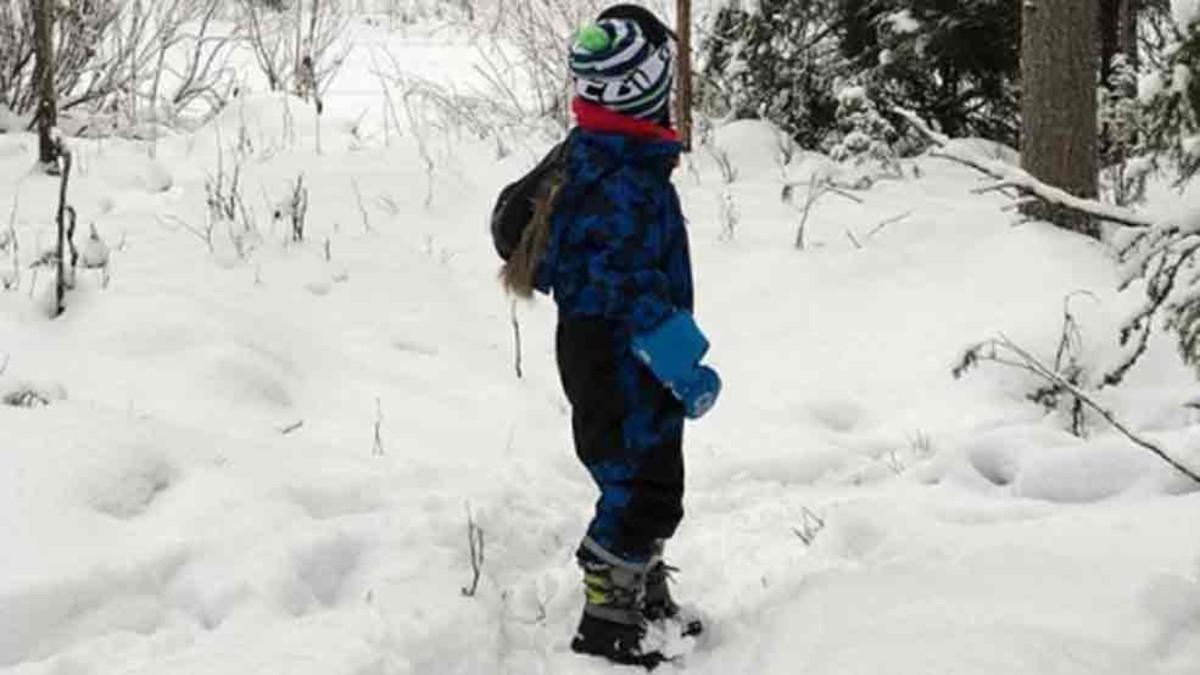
[(617, 67)]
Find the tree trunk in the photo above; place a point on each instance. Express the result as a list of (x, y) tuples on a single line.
[(1118, 34), (1129, 31), (1110, 36), (43, 75), (1059, 127)]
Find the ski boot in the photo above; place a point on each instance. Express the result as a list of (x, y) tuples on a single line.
[(613, 625)]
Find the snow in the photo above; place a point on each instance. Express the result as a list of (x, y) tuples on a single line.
[(903, 22), (9, 122), (1185, 13), (260, 456), (850, 94), (1180, 79), (1150, 85), (1191, 145)]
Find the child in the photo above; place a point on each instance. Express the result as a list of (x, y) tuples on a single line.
[(628, 351)]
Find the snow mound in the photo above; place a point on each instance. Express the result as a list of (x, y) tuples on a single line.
[(1084, 473), (137, 173), (752, 147), (10, 123)]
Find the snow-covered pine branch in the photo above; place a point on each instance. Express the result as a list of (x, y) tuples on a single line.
[(1163, 259)]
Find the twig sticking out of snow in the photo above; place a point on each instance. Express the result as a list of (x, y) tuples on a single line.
[(205, 235), (362, 209), (1009, 177), (475, 548), (377, 447), (810, 526), (817, 188), (516, 326), (296, 208), (65, 231), (894, 219), (1004, 351)]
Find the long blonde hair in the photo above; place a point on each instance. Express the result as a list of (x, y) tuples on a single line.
[(517, 274)]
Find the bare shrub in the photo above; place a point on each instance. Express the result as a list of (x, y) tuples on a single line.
[(817, 187), (538, 31), (297, 48), (296, 209), (1005, 352), (111, 57), (1054, 395)]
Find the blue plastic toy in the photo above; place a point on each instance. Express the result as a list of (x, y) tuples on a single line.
[(673, 352)]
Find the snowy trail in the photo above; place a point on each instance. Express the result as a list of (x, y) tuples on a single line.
[(204, 493)]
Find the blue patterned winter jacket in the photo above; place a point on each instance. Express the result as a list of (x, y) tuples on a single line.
[(619, 247)]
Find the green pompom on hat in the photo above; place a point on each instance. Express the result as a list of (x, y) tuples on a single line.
[(616, 66)]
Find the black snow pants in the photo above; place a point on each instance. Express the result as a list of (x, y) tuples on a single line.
[(628, 432)]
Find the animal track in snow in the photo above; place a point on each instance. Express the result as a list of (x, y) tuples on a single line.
[(325, 502), (42, 620), (325, 564), (126, 489), (840, 416)]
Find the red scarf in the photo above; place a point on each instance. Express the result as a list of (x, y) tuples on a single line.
[(595, 117)]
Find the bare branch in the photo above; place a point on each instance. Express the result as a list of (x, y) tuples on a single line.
[(1030, 363)]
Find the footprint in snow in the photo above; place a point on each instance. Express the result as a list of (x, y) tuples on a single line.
[(839, 416)]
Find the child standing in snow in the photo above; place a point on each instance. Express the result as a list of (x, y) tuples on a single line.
[(617, 264)]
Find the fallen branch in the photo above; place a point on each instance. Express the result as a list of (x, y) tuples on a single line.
[(1030, 363), (1010, 177)]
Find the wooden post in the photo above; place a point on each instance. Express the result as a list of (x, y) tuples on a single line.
[(683, 99)]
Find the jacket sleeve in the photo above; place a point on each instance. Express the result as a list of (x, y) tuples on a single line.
[(619, 236)]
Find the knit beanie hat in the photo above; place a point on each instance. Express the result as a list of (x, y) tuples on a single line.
[(621, 66)]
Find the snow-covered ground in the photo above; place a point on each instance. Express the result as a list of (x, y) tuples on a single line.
[(259, 456)]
